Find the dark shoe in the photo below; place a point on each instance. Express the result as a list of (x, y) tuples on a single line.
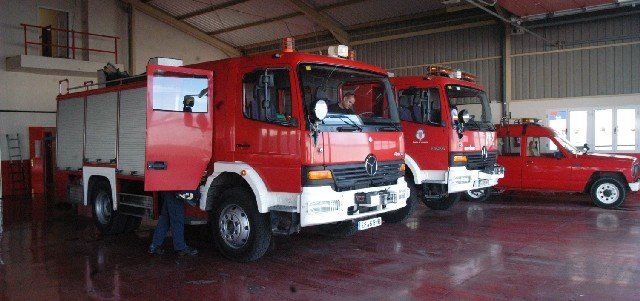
[(188, 251), (156, 251)]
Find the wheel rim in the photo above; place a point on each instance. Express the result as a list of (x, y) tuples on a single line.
[(104, 208), (476, 194), (234, 226), (607, 193)]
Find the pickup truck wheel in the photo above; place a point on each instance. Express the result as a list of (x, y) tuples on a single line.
[(241, 232), (107, 220), (442, 203), (608, 192), (402, 214), (477, 195), (339, 229)]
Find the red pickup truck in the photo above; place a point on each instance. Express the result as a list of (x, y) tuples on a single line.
[(536, 157)]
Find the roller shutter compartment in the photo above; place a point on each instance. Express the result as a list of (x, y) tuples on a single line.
[(100, 146), (70, 134), (132, 132)]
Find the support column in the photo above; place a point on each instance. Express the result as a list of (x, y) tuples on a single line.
[(506, 70)]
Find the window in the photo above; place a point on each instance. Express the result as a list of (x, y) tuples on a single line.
[(604, 129), (626, 129), (180, 92), (509, 146), (267, 96), (475, 102), (540, 147), (423, 106)]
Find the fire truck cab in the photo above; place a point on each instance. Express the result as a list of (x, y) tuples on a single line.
[(449, 137), (538, 158), (251, 142)]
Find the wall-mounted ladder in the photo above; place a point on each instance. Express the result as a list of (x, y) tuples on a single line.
[(17, 172)]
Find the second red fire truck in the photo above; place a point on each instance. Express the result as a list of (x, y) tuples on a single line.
[(449, 137), (250, 141)]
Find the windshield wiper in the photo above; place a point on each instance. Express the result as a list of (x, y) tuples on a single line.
[(390, 128), (347, 121), (348, 129)]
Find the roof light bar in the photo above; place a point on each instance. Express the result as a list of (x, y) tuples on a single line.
[(450, 72)]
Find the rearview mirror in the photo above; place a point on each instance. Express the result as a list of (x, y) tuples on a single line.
[(188, 102), (320, 110), (586, 147), (463, 116)]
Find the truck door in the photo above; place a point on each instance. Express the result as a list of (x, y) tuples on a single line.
[(268, 127), (179, 127), (509, 156), (542, 168), (425, 135)]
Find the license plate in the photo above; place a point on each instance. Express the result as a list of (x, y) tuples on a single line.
[(369, 223)]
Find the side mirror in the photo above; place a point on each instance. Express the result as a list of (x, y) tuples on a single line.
[(188, 102), (320, 110), (463, 116), (586, 147), (558, 155)]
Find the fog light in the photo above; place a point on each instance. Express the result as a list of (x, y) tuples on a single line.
[(459, 159), (323, 206)]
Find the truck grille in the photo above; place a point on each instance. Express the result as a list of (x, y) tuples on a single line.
[(354, 176), (475, 161)]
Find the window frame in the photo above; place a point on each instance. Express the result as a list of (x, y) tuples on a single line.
[(428, 122), (591, 132), (291, 96)]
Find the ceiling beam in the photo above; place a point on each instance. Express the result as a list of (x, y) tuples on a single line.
[(166, 18), (283, 17), (211, 8), (321, 19)]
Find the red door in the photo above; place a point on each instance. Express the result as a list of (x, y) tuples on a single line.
[(541, 169), (179, 127)]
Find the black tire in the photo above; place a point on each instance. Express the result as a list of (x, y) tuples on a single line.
[(608, 192), (401, 215), (339, 229), (108, 221), (241, 204), (477, 195), (443, 203)]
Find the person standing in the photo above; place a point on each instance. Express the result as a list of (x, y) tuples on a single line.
[(171, 216)]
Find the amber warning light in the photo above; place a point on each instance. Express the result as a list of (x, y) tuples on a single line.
[(288, 45), (450, 72)]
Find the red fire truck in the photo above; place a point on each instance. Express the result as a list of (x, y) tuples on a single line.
[(251, 141), (539, 159), (449, 138)]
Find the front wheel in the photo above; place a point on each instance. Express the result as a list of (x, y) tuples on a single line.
[(477, 195), (443, 203), (608, 192), (241, 232)]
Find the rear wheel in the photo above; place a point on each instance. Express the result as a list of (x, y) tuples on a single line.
[(608, 192), (241, 232), (107, 220), (443, 203), (477, 195)]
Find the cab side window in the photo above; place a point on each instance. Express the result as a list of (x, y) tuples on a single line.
[(267, 95), (541, 147), (422, 106), (509, 146)]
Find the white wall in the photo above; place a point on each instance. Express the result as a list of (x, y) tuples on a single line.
[(152, 38)]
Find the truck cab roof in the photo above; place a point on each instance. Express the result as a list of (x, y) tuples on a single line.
[(519, 129)]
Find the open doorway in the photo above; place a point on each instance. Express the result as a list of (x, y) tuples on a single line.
[(42, 153), (54, 42)]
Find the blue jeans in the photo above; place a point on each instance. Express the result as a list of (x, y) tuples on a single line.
[(172, 214)]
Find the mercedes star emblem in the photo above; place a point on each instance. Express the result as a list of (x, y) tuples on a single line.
[(371, 165)]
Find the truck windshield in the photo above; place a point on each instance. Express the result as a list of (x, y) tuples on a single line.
[(357, 100), (475, 102), (566, 144)]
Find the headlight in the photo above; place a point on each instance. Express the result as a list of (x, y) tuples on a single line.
[(459, 160)]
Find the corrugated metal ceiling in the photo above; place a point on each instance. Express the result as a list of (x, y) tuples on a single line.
[(528, 8)]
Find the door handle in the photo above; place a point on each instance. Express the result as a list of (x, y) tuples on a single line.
[(157, 165), (243, 145)]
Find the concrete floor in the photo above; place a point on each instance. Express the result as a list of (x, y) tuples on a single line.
[(533, 247)]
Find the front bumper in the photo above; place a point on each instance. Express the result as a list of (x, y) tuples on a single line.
[(635, 186), (461, 179), (323, 205)]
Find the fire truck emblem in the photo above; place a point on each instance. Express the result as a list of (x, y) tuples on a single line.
[(371, 164), (420, 134), (485, 154)]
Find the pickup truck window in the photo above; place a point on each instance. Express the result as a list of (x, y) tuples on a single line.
[(509, 146), (540, 147), (420, 105), (267, 96)]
